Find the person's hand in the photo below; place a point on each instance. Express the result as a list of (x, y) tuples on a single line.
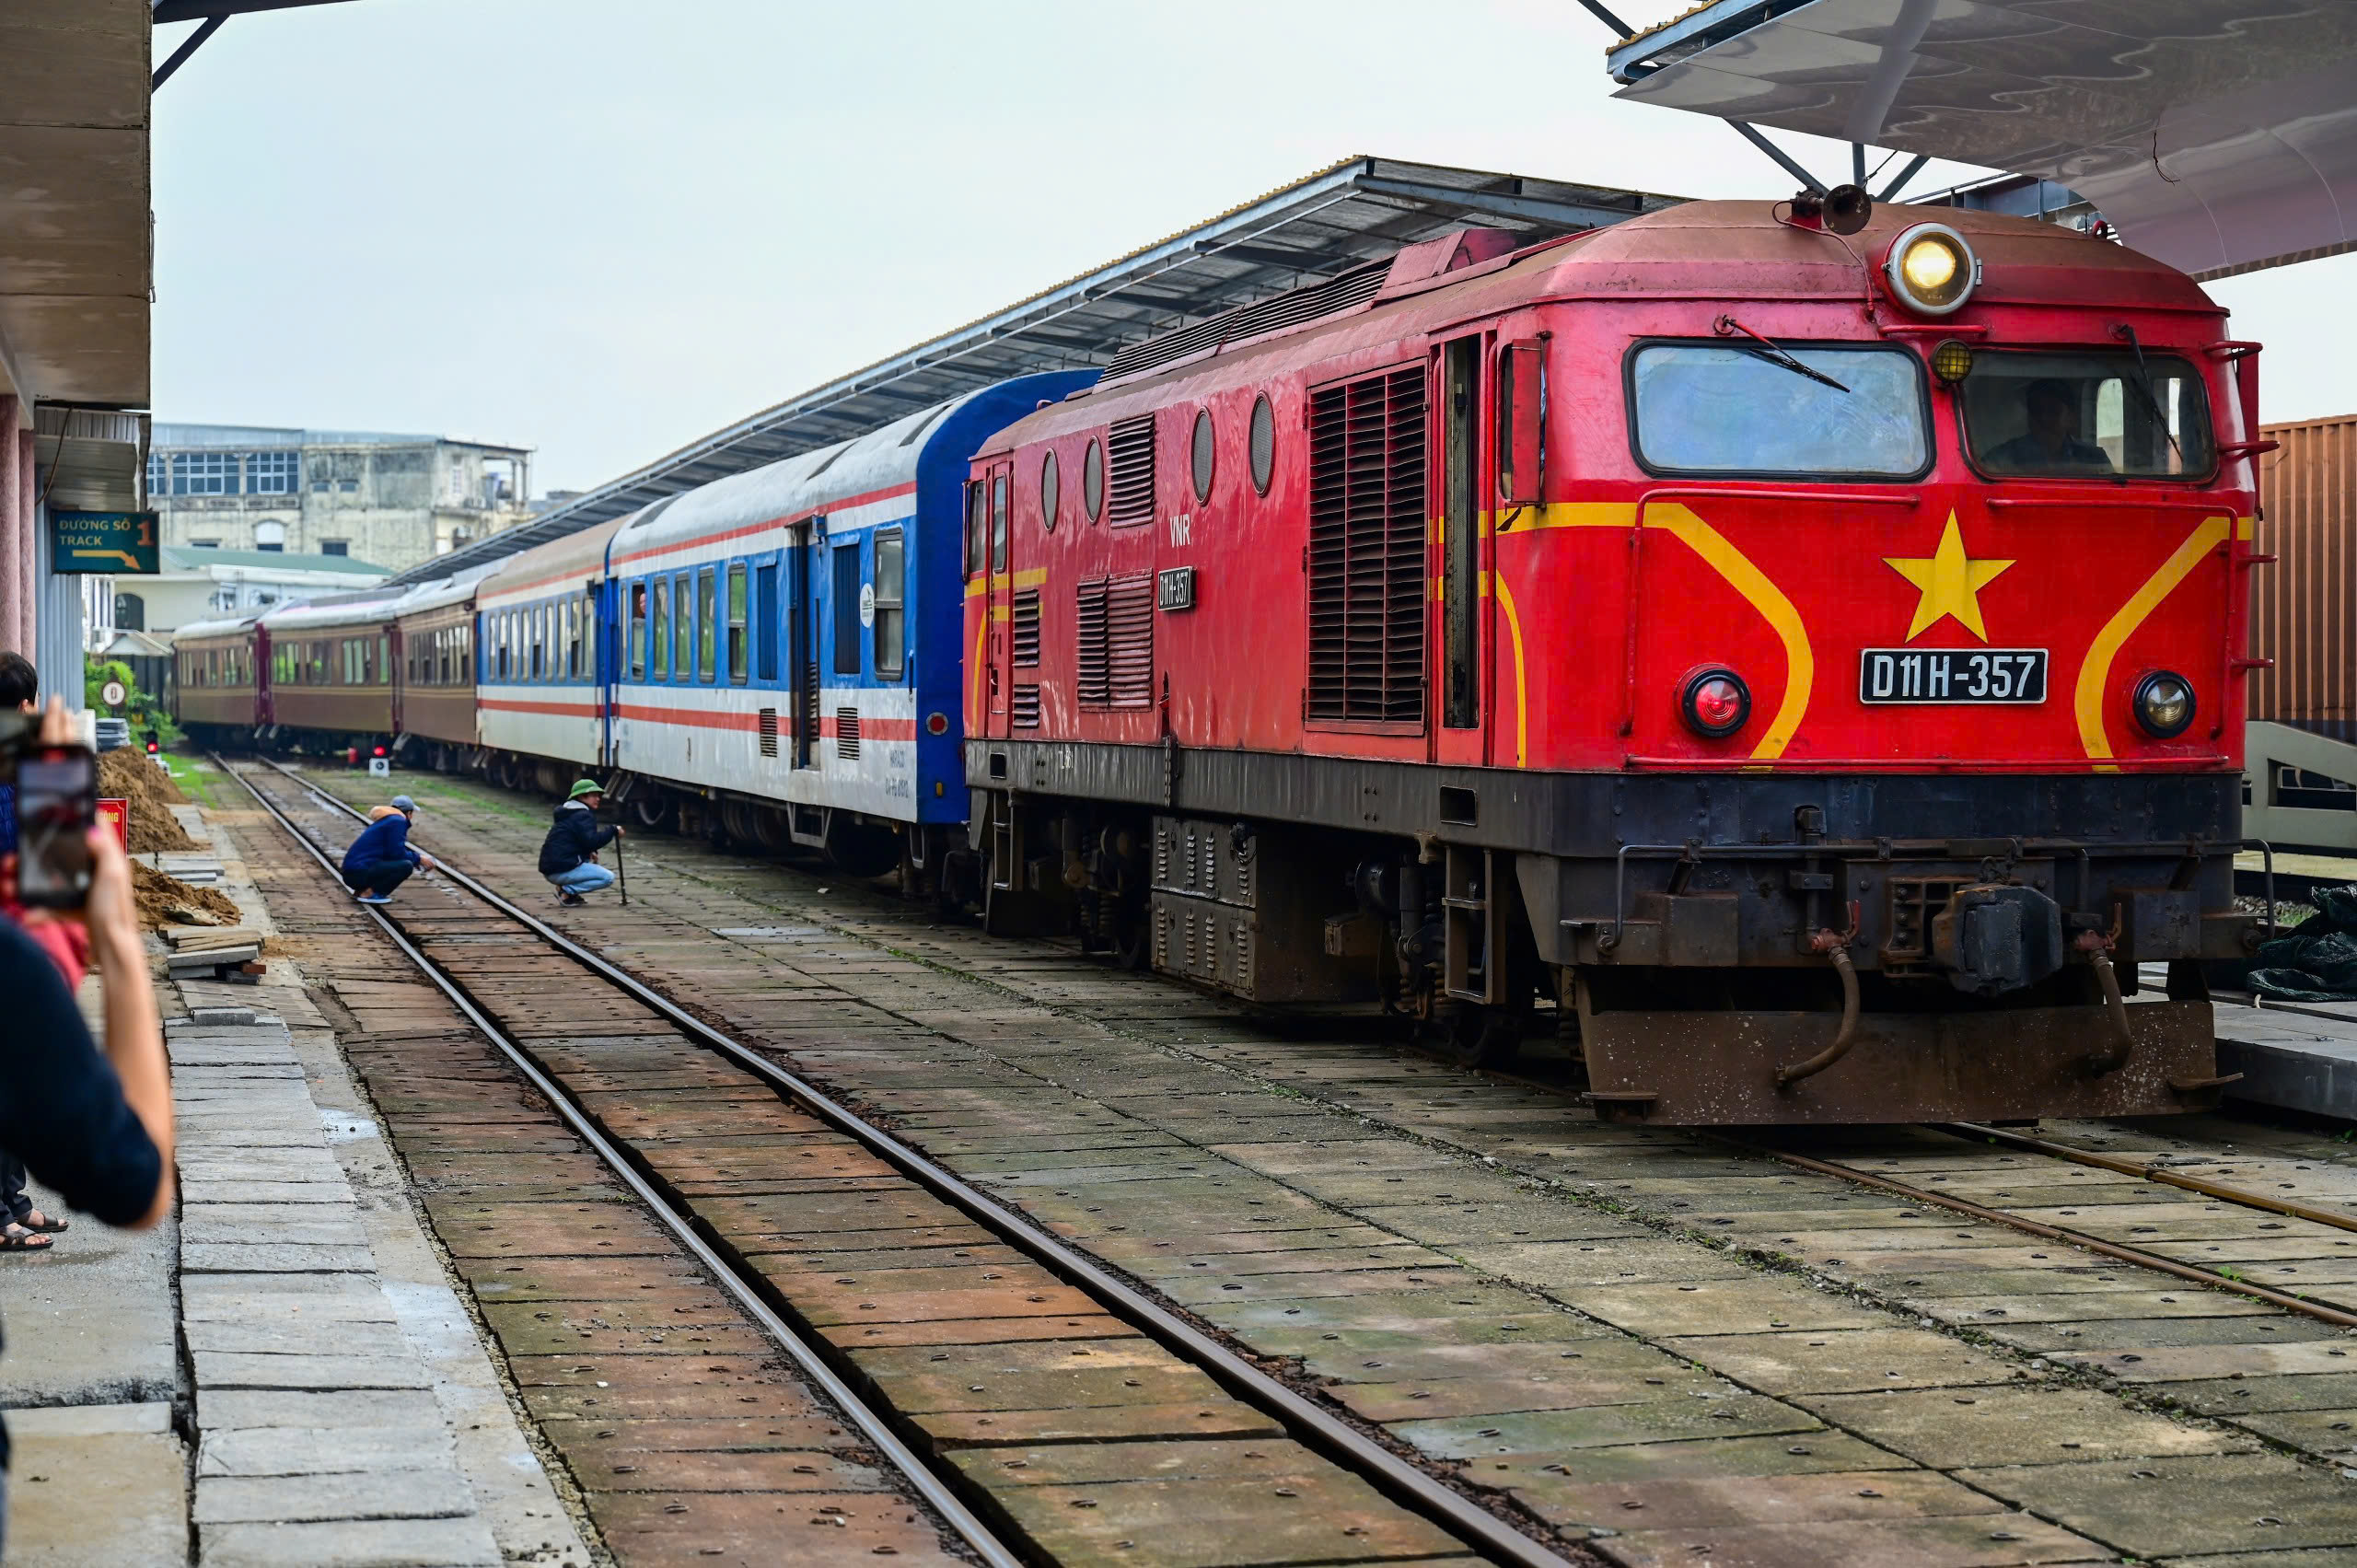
[(57, 724), (619, 831), (111, 913)]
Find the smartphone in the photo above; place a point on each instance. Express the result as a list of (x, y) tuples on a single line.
[(57, 805)]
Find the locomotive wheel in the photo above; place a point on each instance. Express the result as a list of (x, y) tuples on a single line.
[(1480, 1037), (769, 830), (653, 812)]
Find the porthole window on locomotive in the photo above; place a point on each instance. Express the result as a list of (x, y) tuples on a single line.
[(1092, 480), (1047, 492), (1264, 444), (1205, 455)]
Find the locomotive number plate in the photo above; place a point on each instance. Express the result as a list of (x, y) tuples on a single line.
[(1952, 675)]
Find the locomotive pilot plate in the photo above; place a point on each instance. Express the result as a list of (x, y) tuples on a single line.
[(1952, 675)]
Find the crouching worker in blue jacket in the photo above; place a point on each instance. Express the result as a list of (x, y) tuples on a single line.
[(569, 854), (380, 859)]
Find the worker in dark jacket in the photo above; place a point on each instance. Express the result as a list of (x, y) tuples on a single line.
[(380, 859), (569, 854)]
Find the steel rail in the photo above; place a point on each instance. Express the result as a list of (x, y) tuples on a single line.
[(874, 1428), (1322, 1432), (2119, 1251), (2165, 1177)]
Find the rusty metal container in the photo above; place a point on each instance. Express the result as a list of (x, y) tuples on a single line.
[(2304, 608)]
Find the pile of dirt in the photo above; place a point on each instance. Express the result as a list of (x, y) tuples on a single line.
[(166, 900), (126, 773)]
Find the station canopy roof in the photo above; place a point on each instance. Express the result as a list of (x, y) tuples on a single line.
[(2217, 135), (1357, 211)]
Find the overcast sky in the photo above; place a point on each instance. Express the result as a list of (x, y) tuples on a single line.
[(603, 228)]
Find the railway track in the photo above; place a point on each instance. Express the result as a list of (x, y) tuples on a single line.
[(1013, 1283), (1829, 1324)]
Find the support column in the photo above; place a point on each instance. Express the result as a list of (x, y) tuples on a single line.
[(16, 556), (31, 559)]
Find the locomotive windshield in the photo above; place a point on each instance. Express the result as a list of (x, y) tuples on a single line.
[(2086, 414), (1706, 408)]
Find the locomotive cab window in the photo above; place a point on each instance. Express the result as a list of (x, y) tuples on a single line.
[(1782, 411), (2090, 414)]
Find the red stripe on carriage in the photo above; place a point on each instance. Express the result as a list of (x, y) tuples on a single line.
[(870, 728)]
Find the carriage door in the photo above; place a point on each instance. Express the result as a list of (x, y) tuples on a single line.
[(803, 632), (1002, 601), (1462, 646)]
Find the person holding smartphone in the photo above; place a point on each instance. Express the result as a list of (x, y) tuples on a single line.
[(23, 1227), (95, 1124), (380, 859)]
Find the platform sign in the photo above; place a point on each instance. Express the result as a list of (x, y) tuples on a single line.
[(116, 814), (120, 544)]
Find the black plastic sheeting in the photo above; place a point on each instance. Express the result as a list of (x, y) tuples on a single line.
[(2317, 959)]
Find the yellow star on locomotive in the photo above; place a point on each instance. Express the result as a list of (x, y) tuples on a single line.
[(1951, 582)]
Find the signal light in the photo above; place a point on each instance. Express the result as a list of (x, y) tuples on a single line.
[(1716, 702), (2165, 705), (153, 747), (1951, 361), (377, 752)]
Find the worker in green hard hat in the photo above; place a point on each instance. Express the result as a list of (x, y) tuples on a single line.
[(569, 854)]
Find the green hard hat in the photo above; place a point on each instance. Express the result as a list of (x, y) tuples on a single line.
[(586, 787)]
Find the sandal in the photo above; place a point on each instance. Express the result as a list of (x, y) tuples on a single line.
[(46, 1225), (17, 1238)]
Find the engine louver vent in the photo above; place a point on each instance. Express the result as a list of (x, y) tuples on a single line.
[(1366, 550), (1092, 657), (1129, 634), (769, 732), (1130, 444), (847, 733), (1027, 627), (1025, 710), (1115, 622), (1327, 296)]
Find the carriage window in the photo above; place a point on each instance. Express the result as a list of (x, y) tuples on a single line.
[(658, 659), (573, 636), (891, 585), (2092, 414), (637, 643), (538, 615), (765, 622), (683, 627), (1707, 408), (846, 608), (738, 671), (706, 623)]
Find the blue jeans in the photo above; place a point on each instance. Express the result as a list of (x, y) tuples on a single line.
[(586, 878)]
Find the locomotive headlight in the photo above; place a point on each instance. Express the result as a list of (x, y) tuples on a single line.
[(1930, 270), (2164, 704), (1715, 702)]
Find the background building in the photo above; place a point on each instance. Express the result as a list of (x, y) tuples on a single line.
[(393, 500)]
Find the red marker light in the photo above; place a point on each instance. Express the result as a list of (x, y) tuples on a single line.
[(153, 748), (1716, 702), (937, 724), (377, 752)]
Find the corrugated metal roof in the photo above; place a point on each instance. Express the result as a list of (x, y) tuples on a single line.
[(243, 437), (194, 558), (1356, 211)]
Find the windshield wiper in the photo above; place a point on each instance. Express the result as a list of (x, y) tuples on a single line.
[(2145, 391), (1760, 348)]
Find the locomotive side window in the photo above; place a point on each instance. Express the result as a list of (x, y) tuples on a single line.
[(974, 523), (1711, 409), (1264, 444), (1050, 490), (1522, 418), (998, 522), (1092, 480), (1205, 455), (2096, 413)]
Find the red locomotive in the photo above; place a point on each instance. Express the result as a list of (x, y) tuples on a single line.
[(1808, 661)]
